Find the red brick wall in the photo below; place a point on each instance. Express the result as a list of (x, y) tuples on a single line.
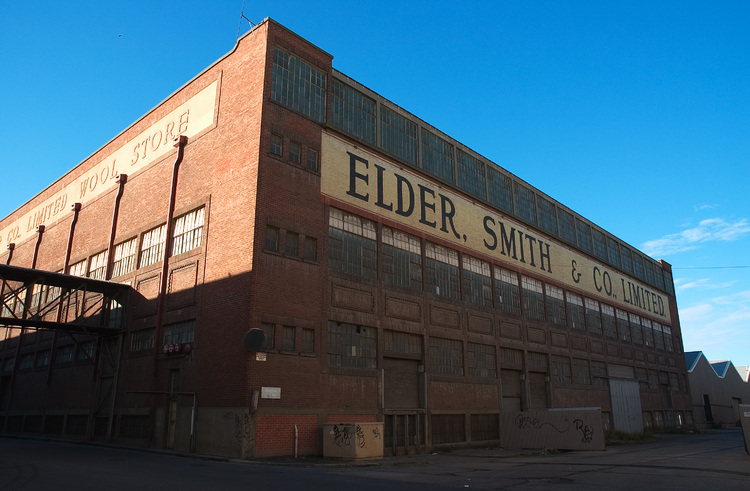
[(274, 434)]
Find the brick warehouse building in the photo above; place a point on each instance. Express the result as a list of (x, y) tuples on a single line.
[(397, 275)]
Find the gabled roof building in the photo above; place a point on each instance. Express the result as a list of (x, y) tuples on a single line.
[(718, 388)]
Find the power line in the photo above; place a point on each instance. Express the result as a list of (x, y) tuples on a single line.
[(713, 267)]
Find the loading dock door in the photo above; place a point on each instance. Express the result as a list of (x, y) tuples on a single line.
[(400, 383), (625, 398), (511, 380)]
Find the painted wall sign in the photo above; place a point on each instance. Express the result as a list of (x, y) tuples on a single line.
[(355, 176), (191, 118)]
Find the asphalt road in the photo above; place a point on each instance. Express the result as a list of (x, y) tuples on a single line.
[(710, 460)]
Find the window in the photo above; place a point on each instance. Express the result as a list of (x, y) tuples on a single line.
[(26, 362), (277, 144), (470, 174), (567, 225), (648, 333), (593, 316), (188, 232), (295, 153), (598, 373), (441, 271), (446, 356), (272, 239), (627, 259), (180, 332), (608, 321), (668, 344), (635, 328), (291, 244), (270, 330), (42, 359), (308, 341), (298, 85), (600, 245), (547, 217), (98, 266), (398, 135), (65, 354), (312, 160), (86, 351), (533, 298), (403, 343), (506, 285), (152, 246), (78, 269), (500, 190), (581, 374), (401, 258), (583, 230), (311, 249), (525, 202), (555, 304), (351, 345), (287, 338), (437, 156), (575, 311), (561, 369), (124, 257), (142, 340), (623, 327), (613, 252), (481, 360), (352, 248), (477, 282), (352, 111), (511, 358)]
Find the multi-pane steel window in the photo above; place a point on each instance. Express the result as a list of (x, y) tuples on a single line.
[(437, 156), (609, 324), (188, 231), (555, 304), (65, 354), (583, 231), (636, 330), (352, 246), (98, 266), (600, 245), (547, 215), (613, 252), (598, 373), (623, 326), (499, 190), (648, 333), (533, 298), (658, 336), (627, 259), (352, 111), (403, 343), (78, 269), (561, 369), (567, 225), (508, 298), (351, 345), (638, 265), (446, 356), (593, 316), (179, 332), (298, 85), (537, 361), (581, 374), (441, 271), (477, 281), (481, 360), (511, 358), (398, 135), (575, 311), (142, 340), (270, 331), (525, 202), (668, 342), (402, 258), (470, 174), (152, 246), (124, 261)]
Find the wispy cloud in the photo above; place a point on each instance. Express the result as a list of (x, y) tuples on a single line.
[(719, 327), (711, 229), (704, 207), (702, 283)]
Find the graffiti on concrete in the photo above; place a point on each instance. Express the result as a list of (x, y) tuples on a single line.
[(376, 433), (525, 422), (586, 430), (342, 435)]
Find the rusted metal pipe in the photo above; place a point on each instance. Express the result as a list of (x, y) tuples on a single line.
[(180, 143), (121, 180)]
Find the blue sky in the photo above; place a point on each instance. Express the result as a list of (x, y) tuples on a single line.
[(634, 114)]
